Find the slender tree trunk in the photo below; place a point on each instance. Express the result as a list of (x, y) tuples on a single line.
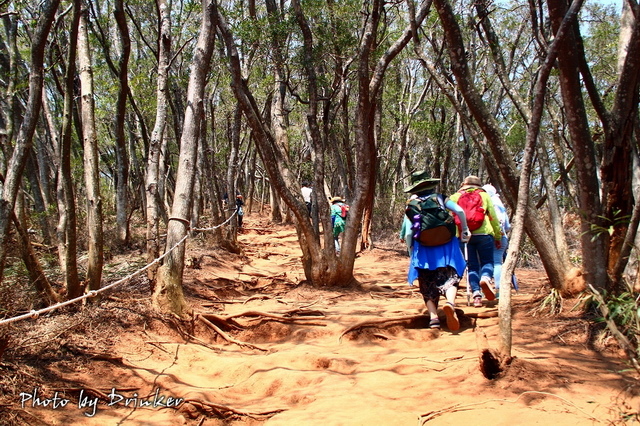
[(67, 224), (154, 200), (536, 229), (168, 295), (9, 189), (122, 159), (319, 262), (91, 166), (593, 245), (31, 262), (533, 131), (232, 177), (40, 206)]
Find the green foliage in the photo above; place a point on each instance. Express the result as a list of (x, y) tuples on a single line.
[(550, 305), (624, 310), (608, 224)]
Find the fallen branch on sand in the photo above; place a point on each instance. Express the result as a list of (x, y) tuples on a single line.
[(424, 418), (224, 411)]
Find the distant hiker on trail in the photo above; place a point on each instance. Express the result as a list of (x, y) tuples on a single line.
[(499, 253), (483, 223), (306, 195), (339, 210), (239, 204), (436, 259)]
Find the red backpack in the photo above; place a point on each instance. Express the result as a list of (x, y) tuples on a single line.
[(471, 203), (344, 209)]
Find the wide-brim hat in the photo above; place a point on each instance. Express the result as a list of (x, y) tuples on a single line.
[(471, 182), (420, 181), (336, 199)]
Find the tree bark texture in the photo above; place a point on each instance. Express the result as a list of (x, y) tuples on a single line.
[(168, 295), (67, 223), (593, 241), (91, 166), (154, 201), (122, 158), (536, 228), (24, 140)]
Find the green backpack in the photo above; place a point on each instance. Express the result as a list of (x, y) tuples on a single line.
[(431, 222)]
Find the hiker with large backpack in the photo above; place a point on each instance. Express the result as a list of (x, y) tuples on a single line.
[(485, 234), (436, 259), (339, 210)]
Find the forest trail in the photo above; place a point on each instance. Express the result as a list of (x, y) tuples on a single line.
[(294, 362)]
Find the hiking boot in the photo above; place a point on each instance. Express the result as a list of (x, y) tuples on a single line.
[(485, 283), (452, 319)]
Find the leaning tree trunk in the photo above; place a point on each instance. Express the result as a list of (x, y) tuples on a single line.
[(39, 279), (168, 295), (24, 140), (555, 268), (91, 166), (320, 265)]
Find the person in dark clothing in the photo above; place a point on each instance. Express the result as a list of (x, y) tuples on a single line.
[(239, 204)]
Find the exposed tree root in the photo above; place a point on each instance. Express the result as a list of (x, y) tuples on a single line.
[(410, 319), (424, 418), (384, 321), (226, 337), (226, 412), (291, 316)]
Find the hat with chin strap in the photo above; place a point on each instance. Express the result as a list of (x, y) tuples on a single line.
[(420, 181)]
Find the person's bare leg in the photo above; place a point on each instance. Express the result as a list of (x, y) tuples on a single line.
[(449, 309), (433, 314)]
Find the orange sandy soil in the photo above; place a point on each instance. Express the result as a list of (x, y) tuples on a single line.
[(299, 367)]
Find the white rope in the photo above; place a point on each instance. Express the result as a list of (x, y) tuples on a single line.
[(93, 293)]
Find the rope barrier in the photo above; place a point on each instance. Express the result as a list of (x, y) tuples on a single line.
[(93, 293)]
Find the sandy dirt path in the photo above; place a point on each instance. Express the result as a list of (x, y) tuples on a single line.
[(310, 373)]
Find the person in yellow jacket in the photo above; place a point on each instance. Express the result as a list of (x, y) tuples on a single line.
[(485, 234)]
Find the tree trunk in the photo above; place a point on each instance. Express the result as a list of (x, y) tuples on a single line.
[(67, 224), (593, 245), (91, 166), (153, 160), (122, 159), (31, 263), (9, 189), (232, 179), (320, 264), (617, 161), (168, 295), (536, 229)]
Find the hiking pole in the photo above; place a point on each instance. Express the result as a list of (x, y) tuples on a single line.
[(466, 272)]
